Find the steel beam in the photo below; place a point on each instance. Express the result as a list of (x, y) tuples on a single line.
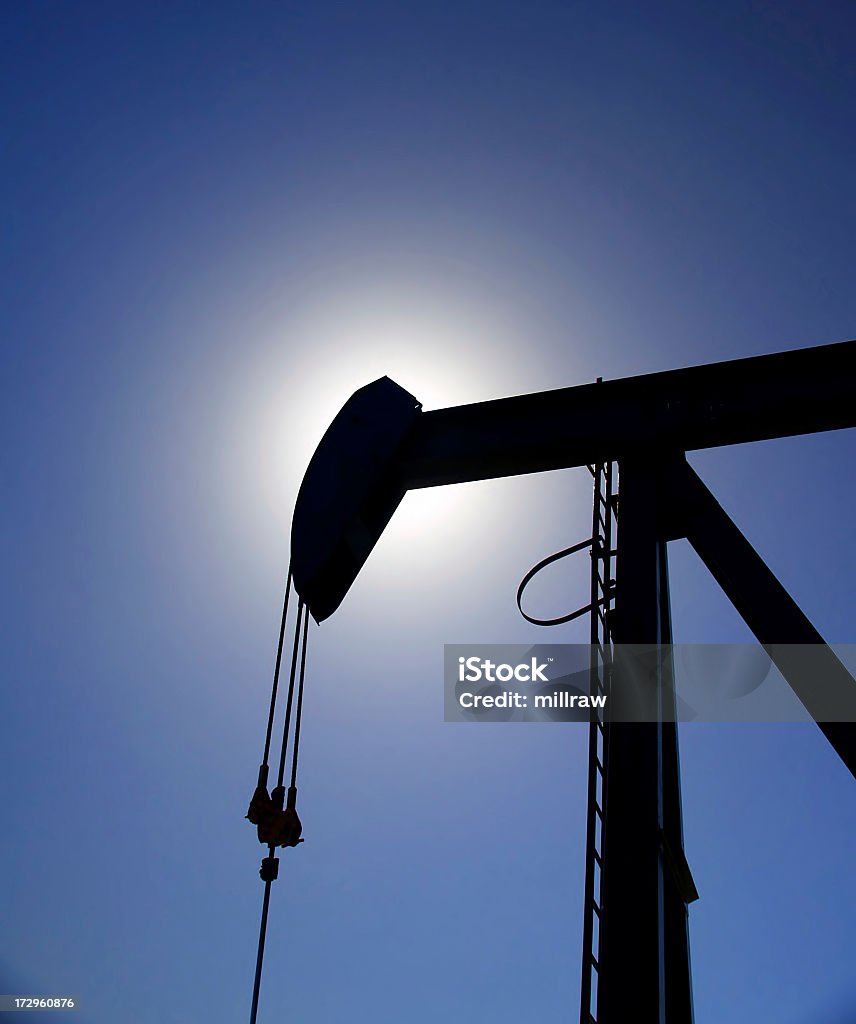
[(817, 677), (644, 951), (798, 392)]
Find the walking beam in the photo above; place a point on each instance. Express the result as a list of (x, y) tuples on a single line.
[(381, 444), (798, 392)]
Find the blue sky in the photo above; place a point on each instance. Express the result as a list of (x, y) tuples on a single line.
[(218, 221)]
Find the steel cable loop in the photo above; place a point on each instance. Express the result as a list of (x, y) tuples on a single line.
[(542, 565)]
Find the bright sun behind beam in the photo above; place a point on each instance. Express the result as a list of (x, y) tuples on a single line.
[(248, 418), (442, 354)]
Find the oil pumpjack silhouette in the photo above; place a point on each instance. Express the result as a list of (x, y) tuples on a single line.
[(633, 434)]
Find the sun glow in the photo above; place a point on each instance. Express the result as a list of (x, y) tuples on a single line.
[(306, 371), (277, 395), (248, 426)]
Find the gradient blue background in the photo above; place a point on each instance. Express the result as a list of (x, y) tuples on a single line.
[(219, 220)]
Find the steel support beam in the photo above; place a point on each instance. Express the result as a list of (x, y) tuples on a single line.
[(817, 677), (798, 392), (644, 966), (644, 971)]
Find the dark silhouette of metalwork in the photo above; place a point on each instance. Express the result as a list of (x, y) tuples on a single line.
[(637, 430), (275, 814)]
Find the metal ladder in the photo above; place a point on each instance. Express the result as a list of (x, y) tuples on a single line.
[(604, 522)]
